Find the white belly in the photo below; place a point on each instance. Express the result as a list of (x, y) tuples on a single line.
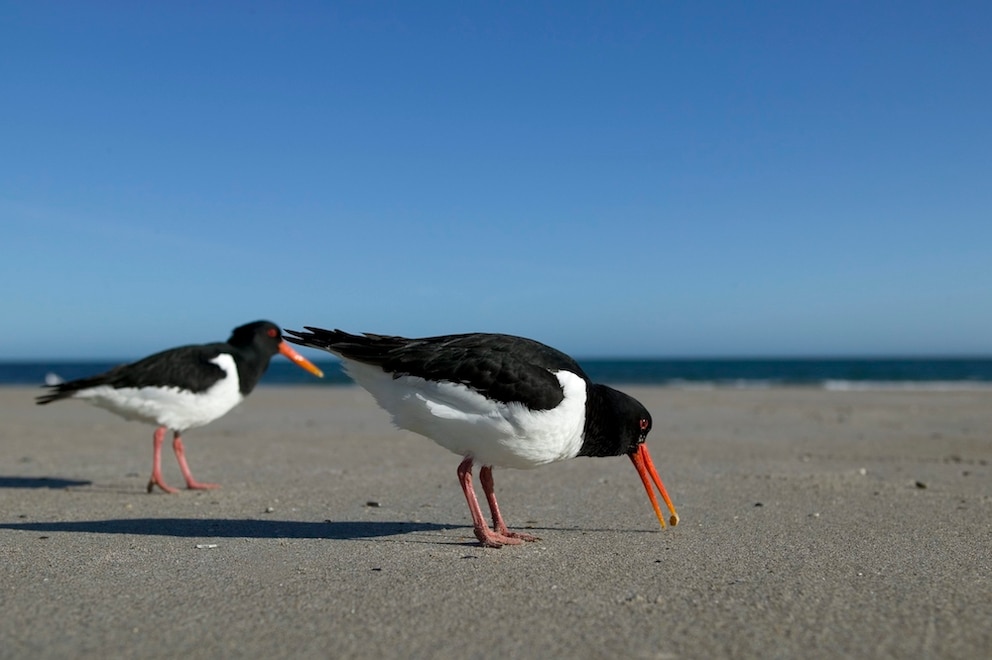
[(173, 407), (467, 423)]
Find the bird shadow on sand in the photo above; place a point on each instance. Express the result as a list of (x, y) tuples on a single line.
[(228, 528), (40, 482)]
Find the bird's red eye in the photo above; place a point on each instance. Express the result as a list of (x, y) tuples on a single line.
[(272, 332), (644, 425)]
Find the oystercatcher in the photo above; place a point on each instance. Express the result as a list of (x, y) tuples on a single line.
[(497, 400), (183, 388)]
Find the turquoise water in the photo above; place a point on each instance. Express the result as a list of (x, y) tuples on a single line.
[(935, 373)]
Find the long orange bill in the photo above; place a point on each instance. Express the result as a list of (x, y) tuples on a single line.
[(642, 461), (300, 361)]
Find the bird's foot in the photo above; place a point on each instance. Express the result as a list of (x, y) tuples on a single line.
[(500, 528), (157, 481), (490, 539), (199, 485)]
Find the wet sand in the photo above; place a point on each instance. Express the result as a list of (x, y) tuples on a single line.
[(814, 524)]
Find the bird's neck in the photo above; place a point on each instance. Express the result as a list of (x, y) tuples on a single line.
[(251, 366), (600, 436)]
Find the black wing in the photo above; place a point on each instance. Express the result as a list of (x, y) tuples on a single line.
[(186, 367), (502, 367)]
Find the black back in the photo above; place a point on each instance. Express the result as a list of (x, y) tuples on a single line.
[(188, 367), (502, 367)]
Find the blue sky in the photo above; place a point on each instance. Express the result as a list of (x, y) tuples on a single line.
[(614, 179)]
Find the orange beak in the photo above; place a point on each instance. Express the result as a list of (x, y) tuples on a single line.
[(301, 361), (642, 461)]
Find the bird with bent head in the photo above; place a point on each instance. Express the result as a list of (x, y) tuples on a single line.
[(496, 400)]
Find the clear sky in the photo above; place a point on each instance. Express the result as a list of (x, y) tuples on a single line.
[(614, 178)]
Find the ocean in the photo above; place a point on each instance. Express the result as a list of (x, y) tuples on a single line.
[(826, 373)]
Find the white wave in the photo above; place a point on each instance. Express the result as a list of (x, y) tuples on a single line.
[(916, 385), (832, 385)]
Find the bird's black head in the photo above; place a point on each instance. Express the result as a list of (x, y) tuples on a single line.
[(254, 345), (616, 423), (265, 335)]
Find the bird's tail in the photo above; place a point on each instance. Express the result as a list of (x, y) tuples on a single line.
[(66, 390), (367, 347), (56, 392)]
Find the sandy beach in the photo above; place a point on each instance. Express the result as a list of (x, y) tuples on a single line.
[(814, 524)]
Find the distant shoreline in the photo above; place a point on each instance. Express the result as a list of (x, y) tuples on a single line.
[(683, 373)]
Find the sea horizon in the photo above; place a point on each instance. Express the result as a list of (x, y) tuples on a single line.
[(835, 373)]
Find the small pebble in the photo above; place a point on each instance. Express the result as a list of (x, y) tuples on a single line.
[(206, 546), (921, 485), (373, 504), (269, 509)]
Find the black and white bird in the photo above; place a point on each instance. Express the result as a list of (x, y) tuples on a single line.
[(496, 400), (183, 388)]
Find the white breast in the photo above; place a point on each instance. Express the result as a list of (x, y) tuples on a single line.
[(467, 423)]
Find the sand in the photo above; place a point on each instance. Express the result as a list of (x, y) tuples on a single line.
[(814, 524)]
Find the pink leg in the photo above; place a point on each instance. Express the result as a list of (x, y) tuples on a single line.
[(191, 483), (156, 479), (486, 477), (487, 537)]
